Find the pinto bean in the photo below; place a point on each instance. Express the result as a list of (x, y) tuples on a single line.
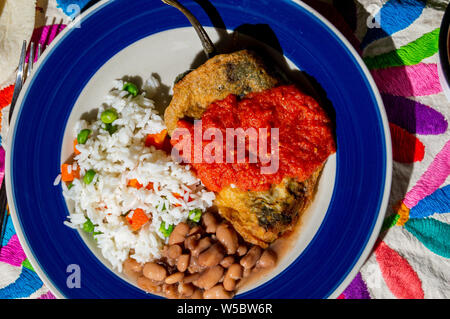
[(174, 251), (227, 261), (242, 250), (198, 294), (252, 256), (131, 265), (268, 259), (210, 277), (165, 251), (178, 234), (203, 244), (211, 257), (229, 284), (174, 278), (171, 291), (132, 275), (194, 266), (234, 272), (228, 238), (132, 269), (210, 222), (191, 278), (186, 290), (148, 285), (154, 271), (192, 241), (195, 230), (216, 292), (183, 262)]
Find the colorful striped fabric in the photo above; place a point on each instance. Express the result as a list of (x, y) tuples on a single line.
[(399, 44)]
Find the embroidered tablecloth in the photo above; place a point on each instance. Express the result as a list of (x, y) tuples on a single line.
[(398, 40)]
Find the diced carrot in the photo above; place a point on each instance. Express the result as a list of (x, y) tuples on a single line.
[(134, 183), (137, 219), (149, 186), (177, 196), (68, 174), (75, 143), (156, 140)]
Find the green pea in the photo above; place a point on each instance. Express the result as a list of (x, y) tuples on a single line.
[(195, 215), (109, 116), (130, 88), (83, 136), (111, 128), (89, 176), (88, 226), (70, 185), (166, 231)]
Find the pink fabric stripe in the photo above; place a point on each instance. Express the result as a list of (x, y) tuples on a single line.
[(45, 35), (2, 165), (398, 274), (434, 176), (13, 253), (47, 295), (413, 80)]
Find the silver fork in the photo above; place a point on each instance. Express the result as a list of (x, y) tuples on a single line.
[(207, 44), (20, 79)]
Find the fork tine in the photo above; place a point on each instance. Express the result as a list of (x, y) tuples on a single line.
[(30, 59), (39, 50), (19, 79), (22, 59)]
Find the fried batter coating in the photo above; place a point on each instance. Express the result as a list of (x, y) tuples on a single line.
[(237, 73), (261, 217)]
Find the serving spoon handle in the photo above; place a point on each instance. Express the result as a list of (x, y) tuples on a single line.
[(207, 44)]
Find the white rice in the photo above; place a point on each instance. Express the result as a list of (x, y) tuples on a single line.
[(119, 158)]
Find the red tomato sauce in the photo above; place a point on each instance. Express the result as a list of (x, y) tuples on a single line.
[(305, 138)]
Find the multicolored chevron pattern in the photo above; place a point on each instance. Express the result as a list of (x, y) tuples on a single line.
[(401, 53)]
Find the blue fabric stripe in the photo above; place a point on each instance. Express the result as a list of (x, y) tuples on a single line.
[(438, 202), (394, 16), (9, 231), (27, 283), (70, 8)]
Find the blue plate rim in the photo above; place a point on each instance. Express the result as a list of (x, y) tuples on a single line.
[(368, 77)]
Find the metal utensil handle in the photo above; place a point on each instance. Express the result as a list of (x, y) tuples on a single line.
[(19, 80), (207, 44), (17, 88)]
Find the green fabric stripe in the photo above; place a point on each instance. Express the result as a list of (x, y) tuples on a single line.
[(435, 235), (409, 54), (26, 263), (389, 222)]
